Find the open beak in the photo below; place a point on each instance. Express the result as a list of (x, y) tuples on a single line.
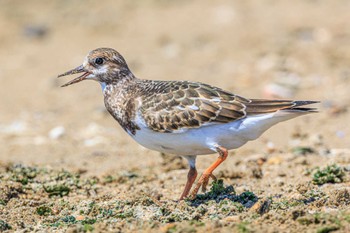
[(79, 69)]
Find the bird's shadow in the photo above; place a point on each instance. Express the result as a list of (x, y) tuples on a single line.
[(218, 192)]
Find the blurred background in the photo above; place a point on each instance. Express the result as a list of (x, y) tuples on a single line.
[(257, 49)]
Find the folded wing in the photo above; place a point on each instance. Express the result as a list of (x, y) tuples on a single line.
[(177, 105)]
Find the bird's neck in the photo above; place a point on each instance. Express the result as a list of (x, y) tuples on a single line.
[(116, 78), (120, 101), (125, 86)]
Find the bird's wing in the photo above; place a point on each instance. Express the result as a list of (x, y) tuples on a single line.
[(170, 106)]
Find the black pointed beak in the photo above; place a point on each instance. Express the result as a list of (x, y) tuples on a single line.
[(79, 69)]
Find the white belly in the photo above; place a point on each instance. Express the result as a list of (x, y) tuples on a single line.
[(203, 140)]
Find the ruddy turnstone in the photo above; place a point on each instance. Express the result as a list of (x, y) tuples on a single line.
[(182, 117)]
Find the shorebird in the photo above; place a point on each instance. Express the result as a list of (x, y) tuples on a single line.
[(182, 117)]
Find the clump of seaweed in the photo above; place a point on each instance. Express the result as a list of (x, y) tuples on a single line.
[(219, 192), (303, 150), (329, 221), (4, 226), (57, 190), (85, 224), (54, 183), (22, 174), (44, 210), (330, 174)]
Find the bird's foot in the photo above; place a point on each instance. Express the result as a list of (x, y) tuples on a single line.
[(204, 179), (202, 182)]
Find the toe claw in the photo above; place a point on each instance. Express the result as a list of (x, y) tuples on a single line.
[(206, 178)]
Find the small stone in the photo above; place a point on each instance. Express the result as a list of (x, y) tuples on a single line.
[(295, 196), (16, 127), (91, 130), (171, 50), (261, 161), (235, 219), (262, 206), (35, 31), (274, 160), (270, 147), (80, 218), (57, 132), (297, 213), (257, 172), (94, 141), (284, 86), (340, 134)]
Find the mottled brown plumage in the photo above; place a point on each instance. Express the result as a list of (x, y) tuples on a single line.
[(167, 106), (174, 105), (177, 105), (182, 117)]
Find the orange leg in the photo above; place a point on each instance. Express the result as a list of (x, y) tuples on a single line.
[(191, 177), (203, 180)]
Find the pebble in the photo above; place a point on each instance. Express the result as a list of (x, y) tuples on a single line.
[(171, 50), (57, 132), (94, 141), (262, 206), (16, 127), (295, 196), (270, 147), (235, 219), (284, 86), (80, 218), (275, 90), (317, 139), (35, 31), (274, 160), (91, 130), (340, 134)]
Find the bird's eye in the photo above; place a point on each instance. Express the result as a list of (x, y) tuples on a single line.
[(99, 61)]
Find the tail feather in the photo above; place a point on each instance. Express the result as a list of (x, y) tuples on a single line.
[(260, 106)]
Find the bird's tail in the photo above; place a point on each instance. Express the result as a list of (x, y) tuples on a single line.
[(267, 113), (261, 106)]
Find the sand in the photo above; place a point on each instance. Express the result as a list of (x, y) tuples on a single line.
[(67, 166)]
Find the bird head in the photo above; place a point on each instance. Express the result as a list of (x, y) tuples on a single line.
[(104, 65)]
